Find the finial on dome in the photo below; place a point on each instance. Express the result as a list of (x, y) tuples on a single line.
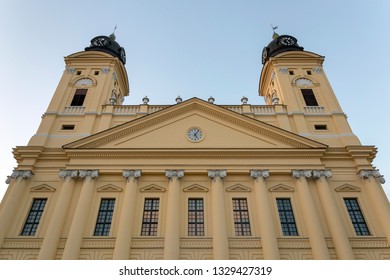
[(274, 35), (112, 36)]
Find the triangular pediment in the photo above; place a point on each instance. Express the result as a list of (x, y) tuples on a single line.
[(195, 188), (348, 188), (109, 188), (43, 188), (281, 188), (238, 188), (221, 128), (152, 188)]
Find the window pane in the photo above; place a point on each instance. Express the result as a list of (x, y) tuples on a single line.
[(150, 217), (103, 221), (309, 97), (286, 217), (195, 217), (241, 217), (79, 97), (34, 216), (356, 216)]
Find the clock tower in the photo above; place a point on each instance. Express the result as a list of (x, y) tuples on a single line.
[(295, 80)]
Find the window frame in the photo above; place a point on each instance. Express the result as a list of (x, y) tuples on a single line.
[(79, 97), (309, 97), (286, 227), (199, 228), (356, 225), (149, 227), (36, 219), (107, 215), (241, 218)]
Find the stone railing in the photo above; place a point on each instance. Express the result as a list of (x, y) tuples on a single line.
[(263, 110), (126, 109), (234, 108), (155, 108), (73, 110), (314, 110)]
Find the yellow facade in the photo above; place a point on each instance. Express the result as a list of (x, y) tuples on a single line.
[(286, 180)]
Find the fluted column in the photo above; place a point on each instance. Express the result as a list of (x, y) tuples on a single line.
[(316, 235), (378, 199), (333, 218), (80, 217), (219, 226), (126, 218), (53, 234), (263, 209), (18, 180), (172, 225)]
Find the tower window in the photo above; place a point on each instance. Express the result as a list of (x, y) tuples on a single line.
[(150, 217), (309, 97), (320, 127), (286, 216), (78, 73), (291, 72), (96, 73), (241, 217), (79, 97), (356, 216), (103, 222), (308, 72), (67, 127), (195, 217), (34, 216)]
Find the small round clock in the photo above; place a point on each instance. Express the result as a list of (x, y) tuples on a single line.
[(99, 42), (287, 41), (264, 55), (195, 134), (123, 55)]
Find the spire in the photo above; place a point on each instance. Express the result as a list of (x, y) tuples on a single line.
[(112, 35), (274, 35)]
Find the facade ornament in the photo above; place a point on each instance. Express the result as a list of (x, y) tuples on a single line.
[(327, 173), (283, 70), (244, 100), (178, 99), (89, 173), (115, 76), (132, 173), (174, 173), (273, 76), (275, 98), (105, 70), (307, 173), (213, 174), (303, 82), (317, 70), (211, 100), (68, 173), (70, 70), (256, 174), (366, 173), (24, 174), (145, 100)]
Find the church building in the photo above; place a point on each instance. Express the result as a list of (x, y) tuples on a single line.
[(194, 179)]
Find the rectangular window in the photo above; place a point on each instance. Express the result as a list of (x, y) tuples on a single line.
[(79, 97), (241, 217), (195, 217), (103, 222), (286, 216), (321, 127), (34, 216), (67, 127), (356, 216), (150, 217), (309, 97)]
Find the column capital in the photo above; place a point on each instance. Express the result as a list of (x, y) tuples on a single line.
[(23, 174), (89, 173), (366, 173), (256, 174), (306, 173), (136, 173), (170, 173), (213, 174), (317, 174), (68, 173)]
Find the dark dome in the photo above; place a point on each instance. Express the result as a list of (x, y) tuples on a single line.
[(107, 44), (279, 44)]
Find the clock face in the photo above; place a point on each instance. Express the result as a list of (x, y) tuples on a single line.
[(195, 134), (99, 42), (264, 55), (123, 55), (287, 41)]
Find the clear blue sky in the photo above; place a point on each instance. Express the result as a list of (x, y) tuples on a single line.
[(194, 48)]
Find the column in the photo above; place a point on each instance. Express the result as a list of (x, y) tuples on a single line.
[(126, 218), (263, 208), (311, 219), (53, 234), (219, 225), (18, 180), (378, 199), (80, 217), (333, 218), (172, 224)]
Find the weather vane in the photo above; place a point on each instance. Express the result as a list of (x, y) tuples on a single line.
[(274, 35)]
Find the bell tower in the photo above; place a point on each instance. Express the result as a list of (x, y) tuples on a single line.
[(92, 79), (295, 79)]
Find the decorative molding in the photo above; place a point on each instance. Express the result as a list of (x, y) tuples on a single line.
[(213, 174), (196, 243), (84, 82), (247, 243), (70, 70), (294, 243), (22, 243), (42, 188), (105, 70), (256, 174), (327, 173), (348, 188), (307, 173), (303, 82), (195, 188), (283, 70), (317, 70), (152, 188), (366, 173), (281, 188), (174, 173), (89, 173), (143, 243), (109, 188), (238, 188), (98, 243), (136, 173), (23, 174), (115, 76), (68, 173)]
